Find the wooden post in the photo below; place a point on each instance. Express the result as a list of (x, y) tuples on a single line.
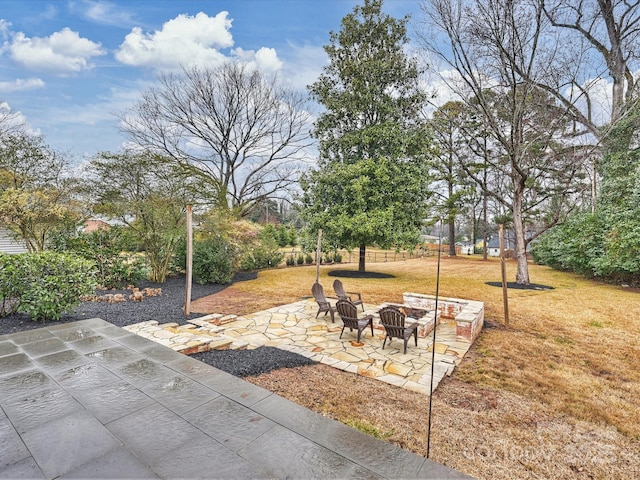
[(505, 299), (187, 295), (318, 255)]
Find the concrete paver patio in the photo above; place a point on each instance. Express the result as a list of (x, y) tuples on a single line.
[(90, 400)]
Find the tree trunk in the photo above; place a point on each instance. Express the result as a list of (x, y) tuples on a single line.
[(361, 259), (522, 272), (485, 233), (452, 237)]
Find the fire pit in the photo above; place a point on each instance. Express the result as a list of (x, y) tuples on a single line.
[(412, 312), (426, 319)]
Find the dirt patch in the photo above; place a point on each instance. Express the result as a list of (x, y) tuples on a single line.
[(230, 301), (469, 425)]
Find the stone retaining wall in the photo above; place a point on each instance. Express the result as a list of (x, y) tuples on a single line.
[(468, 314)]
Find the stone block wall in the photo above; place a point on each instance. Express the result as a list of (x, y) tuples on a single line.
[(468, 314)]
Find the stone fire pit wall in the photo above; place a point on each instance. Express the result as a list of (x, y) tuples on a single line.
[(468, 314)]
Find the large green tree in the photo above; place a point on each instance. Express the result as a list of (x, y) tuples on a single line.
[(371, 183)]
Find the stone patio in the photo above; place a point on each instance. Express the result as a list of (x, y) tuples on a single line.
[(293, 327)]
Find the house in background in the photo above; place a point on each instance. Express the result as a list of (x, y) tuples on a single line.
[(493, 246), (95, 224), (466, 248), (8, 244)]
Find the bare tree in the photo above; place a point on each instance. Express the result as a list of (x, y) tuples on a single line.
[(11, 122), (605, 40), (240, 132), (451, 186), (499, 49)]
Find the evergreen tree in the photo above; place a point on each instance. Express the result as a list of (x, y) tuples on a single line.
[(371, 183)]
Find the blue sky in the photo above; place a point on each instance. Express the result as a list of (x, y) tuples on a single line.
[(68, 66)]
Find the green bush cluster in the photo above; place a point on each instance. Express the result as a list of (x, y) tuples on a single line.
[(212, 261), (283, 235), (601, 245), (44, 285), (604, 244), (111, 250), (264, 255)]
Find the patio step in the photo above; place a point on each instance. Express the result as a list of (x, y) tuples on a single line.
[(193, 337)]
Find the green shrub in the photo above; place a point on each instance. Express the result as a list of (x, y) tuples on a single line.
[(290, 261), (300, 259), (308, 259), (263, 255), (212, 261), (282, 236), (8, 284), (337, 257), (44, 285), (106, 248)]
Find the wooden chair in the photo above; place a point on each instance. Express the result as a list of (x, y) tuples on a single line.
[(353, 297), (349, 314), (321, 300), (393, 321)]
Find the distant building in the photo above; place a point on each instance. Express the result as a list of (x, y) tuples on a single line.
[(493, 246), (8, 243), (467, 248), (93, 225)]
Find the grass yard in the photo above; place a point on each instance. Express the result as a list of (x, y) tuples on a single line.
[(554, 394)]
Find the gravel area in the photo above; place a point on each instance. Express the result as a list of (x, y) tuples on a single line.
[(165, 308), (248, 363)]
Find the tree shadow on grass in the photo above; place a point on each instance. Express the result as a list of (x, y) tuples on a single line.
[(356, 274)]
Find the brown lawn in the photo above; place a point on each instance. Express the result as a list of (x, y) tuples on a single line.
[(555, 394)]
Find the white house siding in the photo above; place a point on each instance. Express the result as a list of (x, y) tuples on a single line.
[(9, 245)]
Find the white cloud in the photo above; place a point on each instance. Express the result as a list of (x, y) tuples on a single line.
[(183, 41), (105, 13), (21, 85), (13, 121), (62, 52), (5, 29), (305, 65), (265, 59), (187, 41)]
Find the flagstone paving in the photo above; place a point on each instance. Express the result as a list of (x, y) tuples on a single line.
[(293, 327)]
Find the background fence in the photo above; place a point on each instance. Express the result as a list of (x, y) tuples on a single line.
[(376, 256)]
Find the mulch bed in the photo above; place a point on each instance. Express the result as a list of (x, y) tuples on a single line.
[(165, 308), (520, 286), (357, 274)]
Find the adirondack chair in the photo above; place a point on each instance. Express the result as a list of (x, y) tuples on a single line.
[(321, 300), (393, 321), (353, 297), (349, 314)]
